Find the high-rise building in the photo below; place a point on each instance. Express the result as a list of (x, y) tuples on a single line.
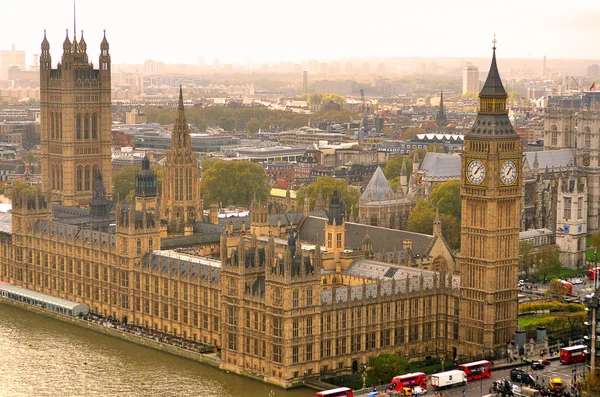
[(9, 58), (149, 68), (491, 187), (76, 122), (305, 82), (470, 79), (181, 181)]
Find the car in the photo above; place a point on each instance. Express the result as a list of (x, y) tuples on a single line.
[(577, 281), (537, 365), (418, 391), (544, 361), (519, 375), (521, 283)]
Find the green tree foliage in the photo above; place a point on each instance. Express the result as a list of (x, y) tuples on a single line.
[(253, 126), (386, 366), (317, 99), (412, 132), (19, 186), (124, 182), (421, 218), (557, 288), (547, 260), (233, 182), (227, 123), (526, 257), (326, 185), (446, 198)]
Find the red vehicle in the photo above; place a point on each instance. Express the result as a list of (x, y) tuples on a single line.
[(568, 285), (593, 273), (572, 354), (409, 380), (338, 392), (477, 370)]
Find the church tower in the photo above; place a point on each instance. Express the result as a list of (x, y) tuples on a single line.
[(181, 179), (491, 187), (440, 119), (76, 122)]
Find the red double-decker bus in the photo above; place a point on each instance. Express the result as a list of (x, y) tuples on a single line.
[(568, 287), (409, 380), (572, 354), (338, 392), (593, 273), (477, 370)]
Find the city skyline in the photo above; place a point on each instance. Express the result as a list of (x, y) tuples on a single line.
[(242, 32)]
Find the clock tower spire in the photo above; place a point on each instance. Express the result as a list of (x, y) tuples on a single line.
[(491, 206)]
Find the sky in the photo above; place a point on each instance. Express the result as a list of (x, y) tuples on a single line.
[(243, 31)]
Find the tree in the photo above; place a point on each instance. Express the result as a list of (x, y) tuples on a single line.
[(252, 126), (526, 257), (227, 123), (18, 186), (233, 182), (557, 288), (325, 186), (421, 218), (547, 260), (124, 182), (446, 196), (412, 132), (386, 366)]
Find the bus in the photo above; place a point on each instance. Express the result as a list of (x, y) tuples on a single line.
[(572, 354), (477, 370), (568, 286), (338, 392), (593, 273), (409, 380)]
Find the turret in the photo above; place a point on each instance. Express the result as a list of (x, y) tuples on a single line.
[(45, 58), (403, 175), (437, 224), (104, 60)]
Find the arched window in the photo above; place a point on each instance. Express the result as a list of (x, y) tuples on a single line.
[(79, 178), (295, 298), (139, 245), (94, 126), (88, 178), (309, 299), (554, 135), (60, 125), (78, 126), (86, 126), (53, 174), (60, 176)]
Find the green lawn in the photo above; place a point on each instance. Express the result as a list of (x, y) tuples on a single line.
[(566, 273), (533, 320)]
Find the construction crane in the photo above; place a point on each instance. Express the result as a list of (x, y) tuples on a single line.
[(364, 112)]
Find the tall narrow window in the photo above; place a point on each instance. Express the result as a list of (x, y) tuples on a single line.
[(79, 178), (78, 126), (52, 125), (86, 126), (88, 172), (94, 126)]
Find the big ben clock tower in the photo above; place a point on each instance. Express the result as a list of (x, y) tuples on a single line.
[(491, 196)]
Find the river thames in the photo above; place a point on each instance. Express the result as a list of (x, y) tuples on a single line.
[(45, 357)]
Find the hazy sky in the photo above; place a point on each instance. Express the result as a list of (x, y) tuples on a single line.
[(180, 31)]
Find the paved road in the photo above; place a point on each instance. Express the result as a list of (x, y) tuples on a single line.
[(481, 388)]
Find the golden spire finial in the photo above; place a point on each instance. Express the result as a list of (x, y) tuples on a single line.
[(494, 41)]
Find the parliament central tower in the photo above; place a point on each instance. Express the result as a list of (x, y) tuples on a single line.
[(491, 187)]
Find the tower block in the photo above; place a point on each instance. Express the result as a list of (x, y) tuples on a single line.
[(76, 122), (491, 187)]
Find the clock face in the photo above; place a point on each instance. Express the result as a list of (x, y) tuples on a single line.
[(476, 172), (566, 229), (508, 172)]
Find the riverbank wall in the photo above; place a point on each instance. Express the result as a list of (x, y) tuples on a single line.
[(116, 333)]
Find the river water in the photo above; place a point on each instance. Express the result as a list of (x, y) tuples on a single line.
[(40, 356)]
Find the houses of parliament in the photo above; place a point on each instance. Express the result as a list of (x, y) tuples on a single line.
[(329, 295)]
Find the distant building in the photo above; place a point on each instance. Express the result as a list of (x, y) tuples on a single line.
[(135, 117), (593, 71), (470, 79), (10, 58)]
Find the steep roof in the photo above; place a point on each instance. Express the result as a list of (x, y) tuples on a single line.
[(551, 158), (378, 188), (384, 239), (441, 165), (493, 84)]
